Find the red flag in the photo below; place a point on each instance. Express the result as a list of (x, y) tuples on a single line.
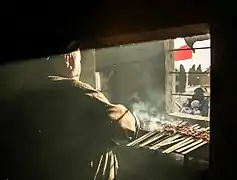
[(183, 54)]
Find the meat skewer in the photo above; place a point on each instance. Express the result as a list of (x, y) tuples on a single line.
[(194, 132), (182, 137)]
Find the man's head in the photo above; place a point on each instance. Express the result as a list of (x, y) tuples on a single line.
[(199, 94), (67, 65)]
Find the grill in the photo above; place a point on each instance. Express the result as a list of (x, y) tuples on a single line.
[(181, 138)]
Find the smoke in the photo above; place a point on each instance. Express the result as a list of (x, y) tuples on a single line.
[(150, 110), (146, 115)]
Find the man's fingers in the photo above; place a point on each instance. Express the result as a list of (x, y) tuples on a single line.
[(67, 60), (72, 63)]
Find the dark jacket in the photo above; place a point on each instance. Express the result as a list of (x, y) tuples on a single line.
[(62, 129)]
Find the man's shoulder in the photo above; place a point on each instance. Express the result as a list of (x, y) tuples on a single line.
[(81, 87), (55, 85), (78, 88), (55, 91), (62, 89), (66, 82)]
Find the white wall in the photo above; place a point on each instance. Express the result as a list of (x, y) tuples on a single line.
[(202, 56)]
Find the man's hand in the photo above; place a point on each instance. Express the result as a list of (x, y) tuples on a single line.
[(119, 113)]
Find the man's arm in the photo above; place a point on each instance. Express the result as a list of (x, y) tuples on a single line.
[(117, 113)]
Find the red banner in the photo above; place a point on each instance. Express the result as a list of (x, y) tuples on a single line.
[(183, 54)]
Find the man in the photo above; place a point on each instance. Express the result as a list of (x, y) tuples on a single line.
[(198, 104), (58, 127)]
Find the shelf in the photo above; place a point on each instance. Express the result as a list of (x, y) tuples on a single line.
[(190, 116)]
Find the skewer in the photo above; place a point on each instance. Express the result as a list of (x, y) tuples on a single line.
[(179, 145), (202, 129), (170, 138), (193, 148), (182, 124), (196, 128), (168, 143), (156, 137), (207, 129), (142, 138), (193, 126), (189, 146), (165, 141), (184, 144)]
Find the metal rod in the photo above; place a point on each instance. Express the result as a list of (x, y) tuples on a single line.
[(185, 49), (180, 107), (179, 94), (186, 160), (176, 72)]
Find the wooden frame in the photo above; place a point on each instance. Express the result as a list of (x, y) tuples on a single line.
[(170, 85)]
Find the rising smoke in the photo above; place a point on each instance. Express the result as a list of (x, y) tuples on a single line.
[(149, 108)]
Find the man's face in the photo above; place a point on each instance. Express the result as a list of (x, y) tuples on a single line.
[(73, 63)]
